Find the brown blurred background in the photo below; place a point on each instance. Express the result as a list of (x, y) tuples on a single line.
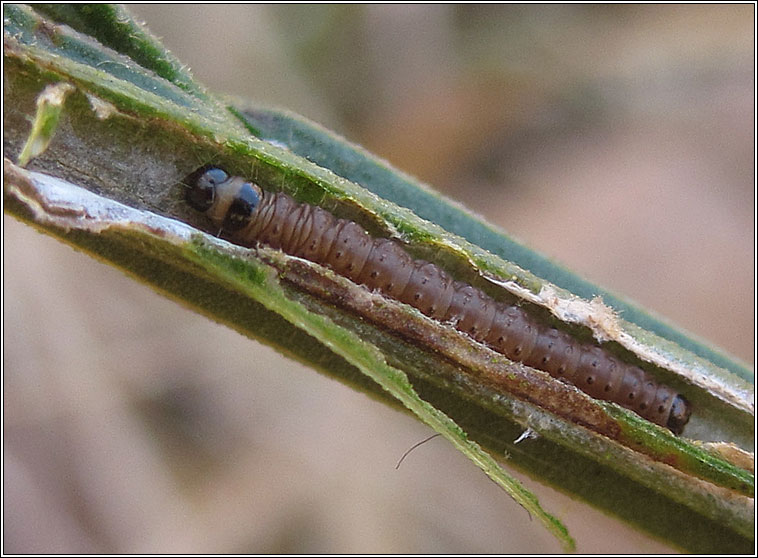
[(618, 140)]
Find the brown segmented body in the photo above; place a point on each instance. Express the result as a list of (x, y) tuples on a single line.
[(251, 216)]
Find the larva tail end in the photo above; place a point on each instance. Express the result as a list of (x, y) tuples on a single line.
[(680, 414)]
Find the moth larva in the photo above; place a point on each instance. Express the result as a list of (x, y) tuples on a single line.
[(252, 216)]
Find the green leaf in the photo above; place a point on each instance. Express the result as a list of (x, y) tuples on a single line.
[(356, 164), (49, 106), (137, 124)]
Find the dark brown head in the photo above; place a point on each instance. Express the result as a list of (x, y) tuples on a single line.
[(230, 202), (679, 415)]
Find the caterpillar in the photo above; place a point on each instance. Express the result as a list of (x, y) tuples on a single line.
[(249, 215)]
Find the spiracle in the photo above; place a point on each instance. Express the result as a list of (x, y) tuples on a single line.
[(250, 215)]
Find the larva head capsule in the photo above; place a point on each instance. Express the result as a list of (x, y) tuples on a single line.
[(202, 192), (228, 201), (679, 414)]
